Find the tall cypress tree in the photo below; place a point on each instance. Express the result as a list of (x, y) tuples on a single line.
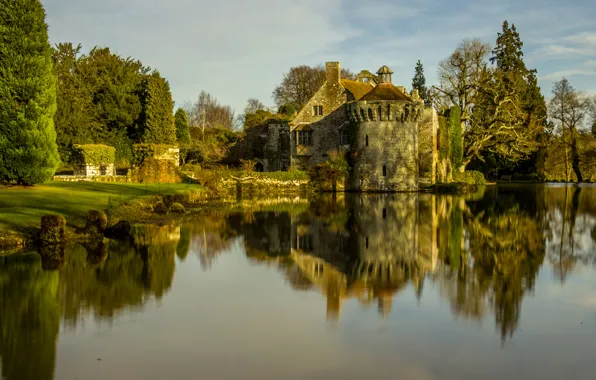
[(182, 131), (28, 151), (419, 82), (158, 118)]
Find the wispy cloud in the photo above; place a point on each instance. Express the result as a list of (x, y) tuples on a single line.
[(238, 49)]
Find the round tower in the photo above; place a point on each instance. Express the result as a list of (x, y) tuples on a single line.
[(384, 150)]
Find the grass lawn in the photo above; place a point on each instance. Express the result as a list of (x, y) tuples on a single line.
[(21, 208)]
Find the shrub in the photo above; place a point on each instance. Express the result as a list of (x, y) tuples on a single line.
[(470, 177), (93, 154), (177, 208)]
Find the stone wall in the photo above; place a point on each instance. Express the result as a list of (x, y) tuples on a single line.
[(93, 171), (331, 96), (157, 171), (276, 152), (384, 157), (98, 178)]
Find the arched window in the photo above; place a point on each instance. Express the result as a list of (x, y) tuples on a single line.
[(366, 140), (388, 111), (367, 242), (370, 114), (384, 213), (362, 114), (384, 171), (379, 113)]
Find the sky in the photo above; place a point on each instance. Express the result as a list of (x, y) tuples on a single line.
[(240, 49)]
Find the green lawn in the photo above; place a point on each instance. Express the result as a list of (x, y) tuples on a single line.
[(22, 208)]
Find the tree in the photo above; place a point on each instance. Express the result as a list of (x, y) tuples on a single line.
[(182, 132), (594, 128), (28, 151), (568, 108), (459, 77), (419, 82), (75, 108), (300, 83), (206, 112), (157, 125)]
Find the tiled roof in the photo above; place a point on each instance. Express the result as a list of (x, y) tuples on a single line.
[(358, 89), (384, 70), (386, 91)]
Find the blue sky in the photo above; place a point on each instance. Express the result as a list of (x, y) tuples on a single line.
[(238, 49)]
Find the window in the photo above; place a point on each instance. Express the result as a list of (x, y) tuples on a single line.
[(384, 213), (306, 242), (318, 270), (366, 140), (384, 171), (317, 110), (344, 137), (305, 137), (367, 242), (370, 114)]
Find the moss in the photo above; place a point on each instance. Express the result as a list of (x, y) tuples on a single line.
[(52, 230), (469, 177), (52, 221), (177, 208)]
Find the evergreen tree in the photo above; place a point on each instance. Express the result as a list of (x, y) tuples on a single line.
[(594, 128), (419, 82), (182, 131), (158, 125), (28, 151), (507, 54)]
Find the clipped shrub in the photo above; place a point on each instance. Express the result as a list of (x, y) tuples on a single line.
[(177, 197), (93, 154), (470, 177), (177, 208), (160, 208), (97, 219)]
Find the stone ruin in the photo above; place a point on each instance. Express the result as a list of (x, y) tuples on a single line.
[(92, 160)]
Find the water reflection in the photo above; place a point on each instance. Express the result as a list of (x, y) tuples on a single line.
[(481, 254)]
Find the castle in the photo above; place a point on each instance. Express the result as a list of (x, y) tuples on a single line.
[(390, 137)]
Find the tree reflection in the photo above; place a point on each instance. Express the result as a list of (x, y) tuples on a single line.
[(30, 318)]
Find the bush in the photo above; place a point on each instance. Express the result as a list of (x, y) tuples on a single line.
[(93, 154), (177, 208), (470, 177)]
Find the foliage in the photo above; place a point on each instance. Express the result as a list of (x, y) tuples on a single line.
[(177, 208), (94, 154), (456, 139), (208, 148), (300, 83), (469, 177), (325, 176), (443, 138), (28, 150), (248, 165), (182, 131), (287, 109), (419, 82), (99, 99), (141, 152), (593, 129), (157, 120)]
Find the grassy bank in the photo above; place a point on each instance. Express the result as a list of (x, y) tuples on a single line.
[(21, 208)]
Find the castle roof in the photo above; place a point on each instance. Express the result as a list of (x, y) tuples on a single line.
[(358, 89), (386, 91)]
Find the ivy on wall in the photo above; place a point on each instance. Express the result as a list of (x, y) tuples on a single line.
[(142, 152), (94, 154)]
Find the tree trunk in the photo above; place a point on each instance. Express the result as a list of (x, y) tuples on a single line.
[(575, 156)]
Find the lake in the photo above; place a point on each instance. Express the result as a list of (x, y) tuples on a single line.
[(499, 284)]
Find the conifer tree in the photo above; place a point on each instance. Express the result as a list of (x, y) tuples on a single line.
[(158, 125), (28, 151), (419, 82), (182, 131)]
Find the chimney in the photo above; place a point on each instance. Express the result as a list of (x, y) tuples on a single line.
[(332, 72)]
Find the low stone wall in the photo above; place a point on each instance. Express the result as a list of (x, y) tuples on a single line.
[(157, 171), (82, 178), (253, 188)]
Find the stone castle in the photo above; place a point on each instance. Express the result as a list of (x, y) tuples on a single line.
[(390, 137)]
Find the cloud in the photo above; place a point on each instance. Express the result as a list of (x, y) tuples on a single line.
[(237, 49)]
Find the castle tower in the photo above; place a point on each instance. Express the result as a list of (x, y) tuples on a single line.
[(384, 151)]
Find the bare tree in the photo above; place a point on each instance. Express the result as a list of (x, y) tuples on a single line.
[(568, 109), (206, 112), (300, 83), (459, 76)]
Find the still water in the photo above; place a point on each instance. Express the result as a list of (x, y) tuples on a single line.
[(497, 285)]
